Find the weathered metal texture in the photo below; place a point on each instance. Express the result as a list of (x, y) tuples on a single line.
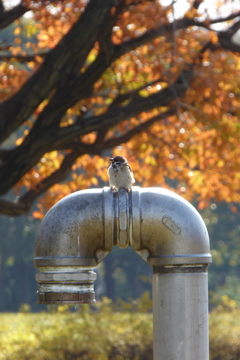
[(70, 242), (167, 230), (62, 284), (163, 228), (72, 232), (80, 230), (180, 313)]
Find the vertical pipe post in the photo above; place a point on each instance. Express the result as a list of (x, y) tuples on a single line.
[(180, 313)]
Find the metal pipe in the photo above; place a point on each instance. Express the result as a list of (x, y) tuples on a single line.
[(62, 284), (163, 228), (180, 313), (71, 241)]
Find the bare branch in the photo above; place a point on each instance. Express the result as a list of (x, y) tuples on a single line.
[(101, 135), (13, 209), (227, 44), (8, 17), (22, 58), (197, 3), (226, 18), (234, 28), (1, 10)]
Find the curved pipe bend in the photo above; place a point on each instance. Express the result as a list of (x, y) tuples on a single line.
[(80, 230), (167, 229)]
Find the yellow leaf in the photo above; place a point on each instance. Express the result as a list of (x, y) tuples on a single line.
[(38, 59), (94, 181)]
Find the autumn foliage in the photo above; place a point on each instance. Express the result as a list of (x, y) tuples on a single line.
[(136, 77)]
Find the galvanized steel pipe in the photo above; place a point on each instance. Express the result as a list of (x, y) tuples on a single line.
[(180, 313), (163, 228)]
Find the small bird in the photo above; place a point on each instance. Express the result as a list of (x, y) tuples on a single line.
[(120, 174)]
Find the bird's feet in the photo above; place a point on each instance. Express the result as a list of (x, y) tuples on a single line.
[(127, 189)]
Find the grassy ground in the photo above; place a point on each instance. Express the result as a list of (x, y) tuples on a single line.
[(102, 333)]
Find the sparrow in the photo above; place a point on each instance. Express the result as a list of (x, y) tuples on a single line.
[(120, 174)]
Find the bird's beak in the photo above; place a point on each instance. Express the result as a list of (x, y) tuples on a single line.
[(111, 159)]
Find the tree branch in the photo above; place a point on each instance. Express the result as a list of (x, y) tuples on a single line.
[(24, 203), (120, 113), (138, 129), (1, 10), (82, 84), (130, 95), (149, 35), (17, 162), (196, 4), (74, 47), (226, 18), (8, 17), (22, 159), (11, 208), (22, 58), (227, 44)]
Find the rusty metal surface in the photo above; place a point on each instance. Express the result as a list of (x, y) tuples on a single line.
[(65, 298)]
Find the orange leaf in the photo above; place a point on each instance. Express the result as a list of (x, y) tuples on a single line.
[(37, 215), (202, 205), (17, 31)]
